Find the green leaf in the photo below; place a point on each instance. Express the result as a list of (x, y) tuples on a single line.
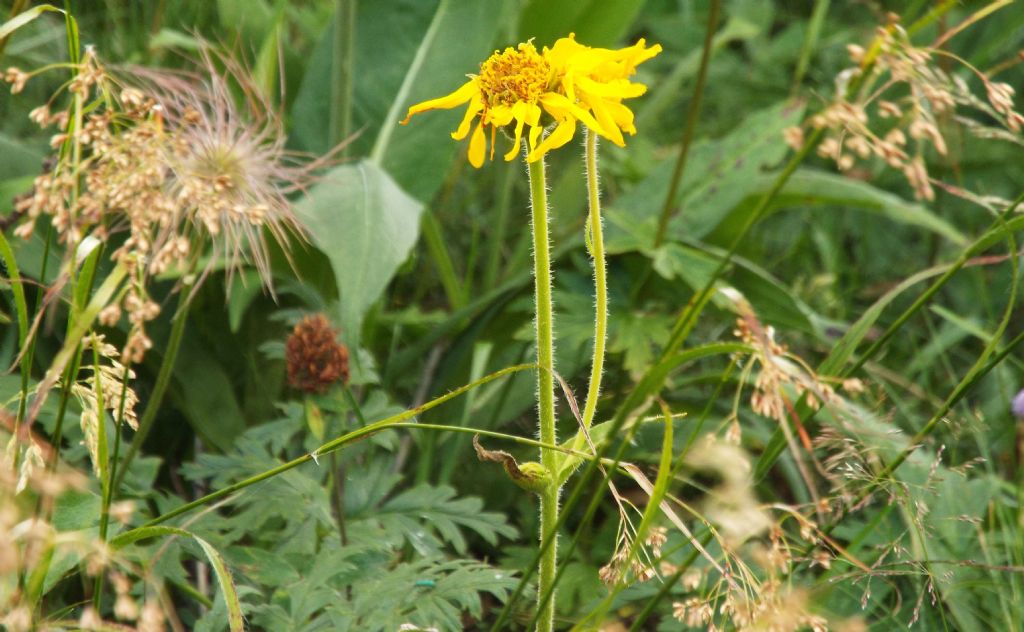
[(13, 278), (418, 155), (220, 568), (366, 225), (721, 173), (595, 22), (774, 302), (437, 507), (19, 164), (420, 62), (23, 18), (207, 396), (813, 188)]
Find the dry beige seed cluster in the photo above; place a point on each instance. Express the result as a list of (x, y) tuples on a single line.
[(898, 111), (26, 538), (780, 369), (164, 175), (105, 391), (641, 565)]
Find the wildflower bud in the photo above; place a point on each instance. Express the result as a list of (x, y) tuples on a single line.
[(1018, 405), (794, 137), (125, 608), (531, 476), (40, 115), (17, 78), (18, 620), (109, 315), (315, 358), (90, 619), (855, 52), (888, 109)]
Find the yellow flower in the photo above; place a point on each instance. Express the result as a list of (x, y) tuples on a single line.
[(598, 80), (566, 83)]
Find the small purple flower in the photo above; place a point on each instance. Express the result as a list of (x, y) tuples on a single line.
[(1018, 405)]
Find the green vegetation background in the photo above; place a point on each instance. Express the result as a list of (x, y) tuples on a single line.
[(424, 263)]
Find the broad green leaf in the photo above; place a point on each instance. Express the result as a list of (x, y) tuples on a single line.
[(366, 225), (207, 396), (20, 162), (430, 48), (813, 188), (402, 25), (595, 22), (772, 300), (720, 174), (418, 155)]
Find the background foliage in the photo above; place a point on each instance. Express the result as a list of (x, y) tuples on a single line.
[(424, 265)]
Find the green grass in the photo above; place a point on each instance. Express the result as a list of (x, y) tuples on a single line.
[(365, 507)]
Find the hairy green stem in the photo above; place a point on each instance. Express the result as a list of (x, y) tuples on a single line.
[(596, 243), (545, 391)]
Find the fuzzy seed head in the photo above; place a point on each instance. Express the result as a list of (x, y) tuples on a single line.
[(315, 358)]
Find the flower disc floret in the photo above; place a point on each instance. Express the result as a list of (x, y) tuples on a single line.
[(514, 75)]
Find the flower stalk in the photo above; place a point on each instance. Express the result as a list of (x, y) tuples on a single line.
[(545, 392), (595, 243)]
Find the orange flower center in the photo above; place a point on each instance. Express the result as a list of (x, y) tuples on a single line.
[(514, 75)]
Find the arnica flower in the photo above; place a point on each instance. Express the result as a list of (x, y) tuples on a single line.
[(598, 79), (562, 85)]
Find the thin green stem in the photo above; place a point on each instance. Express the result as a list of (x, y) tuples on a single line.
[(163, 379), (108, 487), (438, 249), (327, 448), (668, 209), (545, 391), (596, 243), (343, 63), (810, 42)]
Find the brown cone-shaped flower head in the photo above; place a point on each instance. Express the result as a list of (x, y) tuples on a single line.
[(316, 359)]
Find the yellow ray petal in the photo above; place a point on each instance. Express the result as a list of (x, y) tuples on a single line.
[(475, 105), (477, 146), (500, 115), (447, 102), (560, 108), (615, 89), (622, 115), (519, 111), (607, 121), (560, 136)]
